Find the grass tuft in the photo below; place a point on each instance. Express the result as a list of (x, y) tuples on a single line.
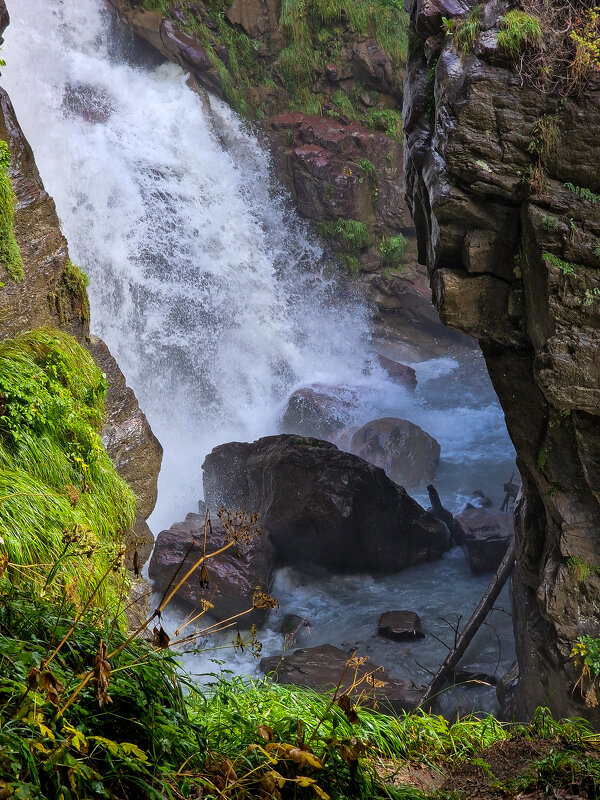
[(518, 31)]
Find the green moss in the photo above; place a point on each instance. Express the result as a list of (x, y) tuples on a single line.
[(306, 101), (392, 249), (352, 264), (72, 285), (56, 481), (10, 254), (518, 30), (351, 234)]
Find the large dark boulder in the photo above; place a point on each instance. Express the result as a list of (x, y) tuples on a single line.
[(232, 576), (322, 667), (322, 506)]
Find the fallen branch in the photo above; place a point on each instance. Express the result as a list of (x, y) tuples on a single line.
[(477, 618)]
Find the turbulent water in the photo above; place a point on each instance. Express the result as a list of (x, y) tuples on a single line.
[(212, 294)]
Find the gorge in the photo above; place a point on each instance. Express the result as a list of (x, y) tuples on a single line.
[(218, 302)]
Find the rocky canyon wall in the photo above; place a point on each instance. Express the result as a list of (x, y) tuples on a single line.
[(503, 181), (52, 293)]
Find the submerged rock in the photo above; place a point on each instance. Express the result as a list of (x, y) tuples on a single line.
[(322, 667), (408, 455), (321, 506), (230, 578)]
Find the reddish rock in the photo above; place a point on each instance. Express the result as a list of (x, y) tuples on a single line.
[(321, 506), (408, 455), (322, 667), (400, 626), (399, 373), (233, 575)]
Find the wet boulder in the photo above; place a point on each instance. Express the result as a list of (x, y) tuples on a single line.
[(322, 667), (401, 626), (320, 410), (484, 537), (230, 579), (398, 373), (321, 506), (408, 455)]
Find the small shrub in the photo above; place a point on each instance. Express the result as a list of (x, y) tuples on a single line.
[(578, 569), (597, 248), (518, 31), (350, 233), (392, 249), (550, 224), (566, 267), (583, 193)]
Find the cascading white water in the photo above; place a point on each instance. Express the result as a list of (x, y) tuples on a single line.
[(202, 284), (208, 289)]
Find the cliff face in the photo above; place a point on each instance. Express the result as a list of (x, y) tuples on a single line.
[(513, 259), (53, 293)]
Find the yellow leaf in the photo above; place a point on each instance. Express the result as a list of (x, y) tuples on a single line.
[(133, 750), (304, 781), (320, 793), (46, 732)]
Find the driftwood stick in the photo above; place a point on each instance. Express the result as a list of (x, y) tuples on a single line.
[(477, 618)]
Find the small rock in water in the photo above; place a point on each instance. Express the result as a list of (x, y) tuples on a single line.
[(400, 626)]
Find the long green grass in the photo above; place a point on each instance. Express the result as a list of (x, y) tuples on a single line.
[(10, 255), (60, 496)]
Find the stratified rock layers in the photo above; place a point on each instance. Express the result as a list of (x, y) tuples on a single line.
[(511, 261)]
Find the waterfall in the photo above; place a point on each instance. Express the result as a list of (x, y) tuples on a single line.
[(206, 286)]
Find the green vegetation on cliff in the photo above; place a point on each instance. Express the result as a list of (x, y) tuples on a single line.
[(10, 254), (61, 500), (285, 68)]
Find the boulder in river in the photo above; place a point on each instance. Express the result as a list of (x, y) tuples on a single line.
[(321, 506), (484, 537), (399, 373), (322, 667), (408, 455), (319, 409), (232, 576), (400, 626)]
